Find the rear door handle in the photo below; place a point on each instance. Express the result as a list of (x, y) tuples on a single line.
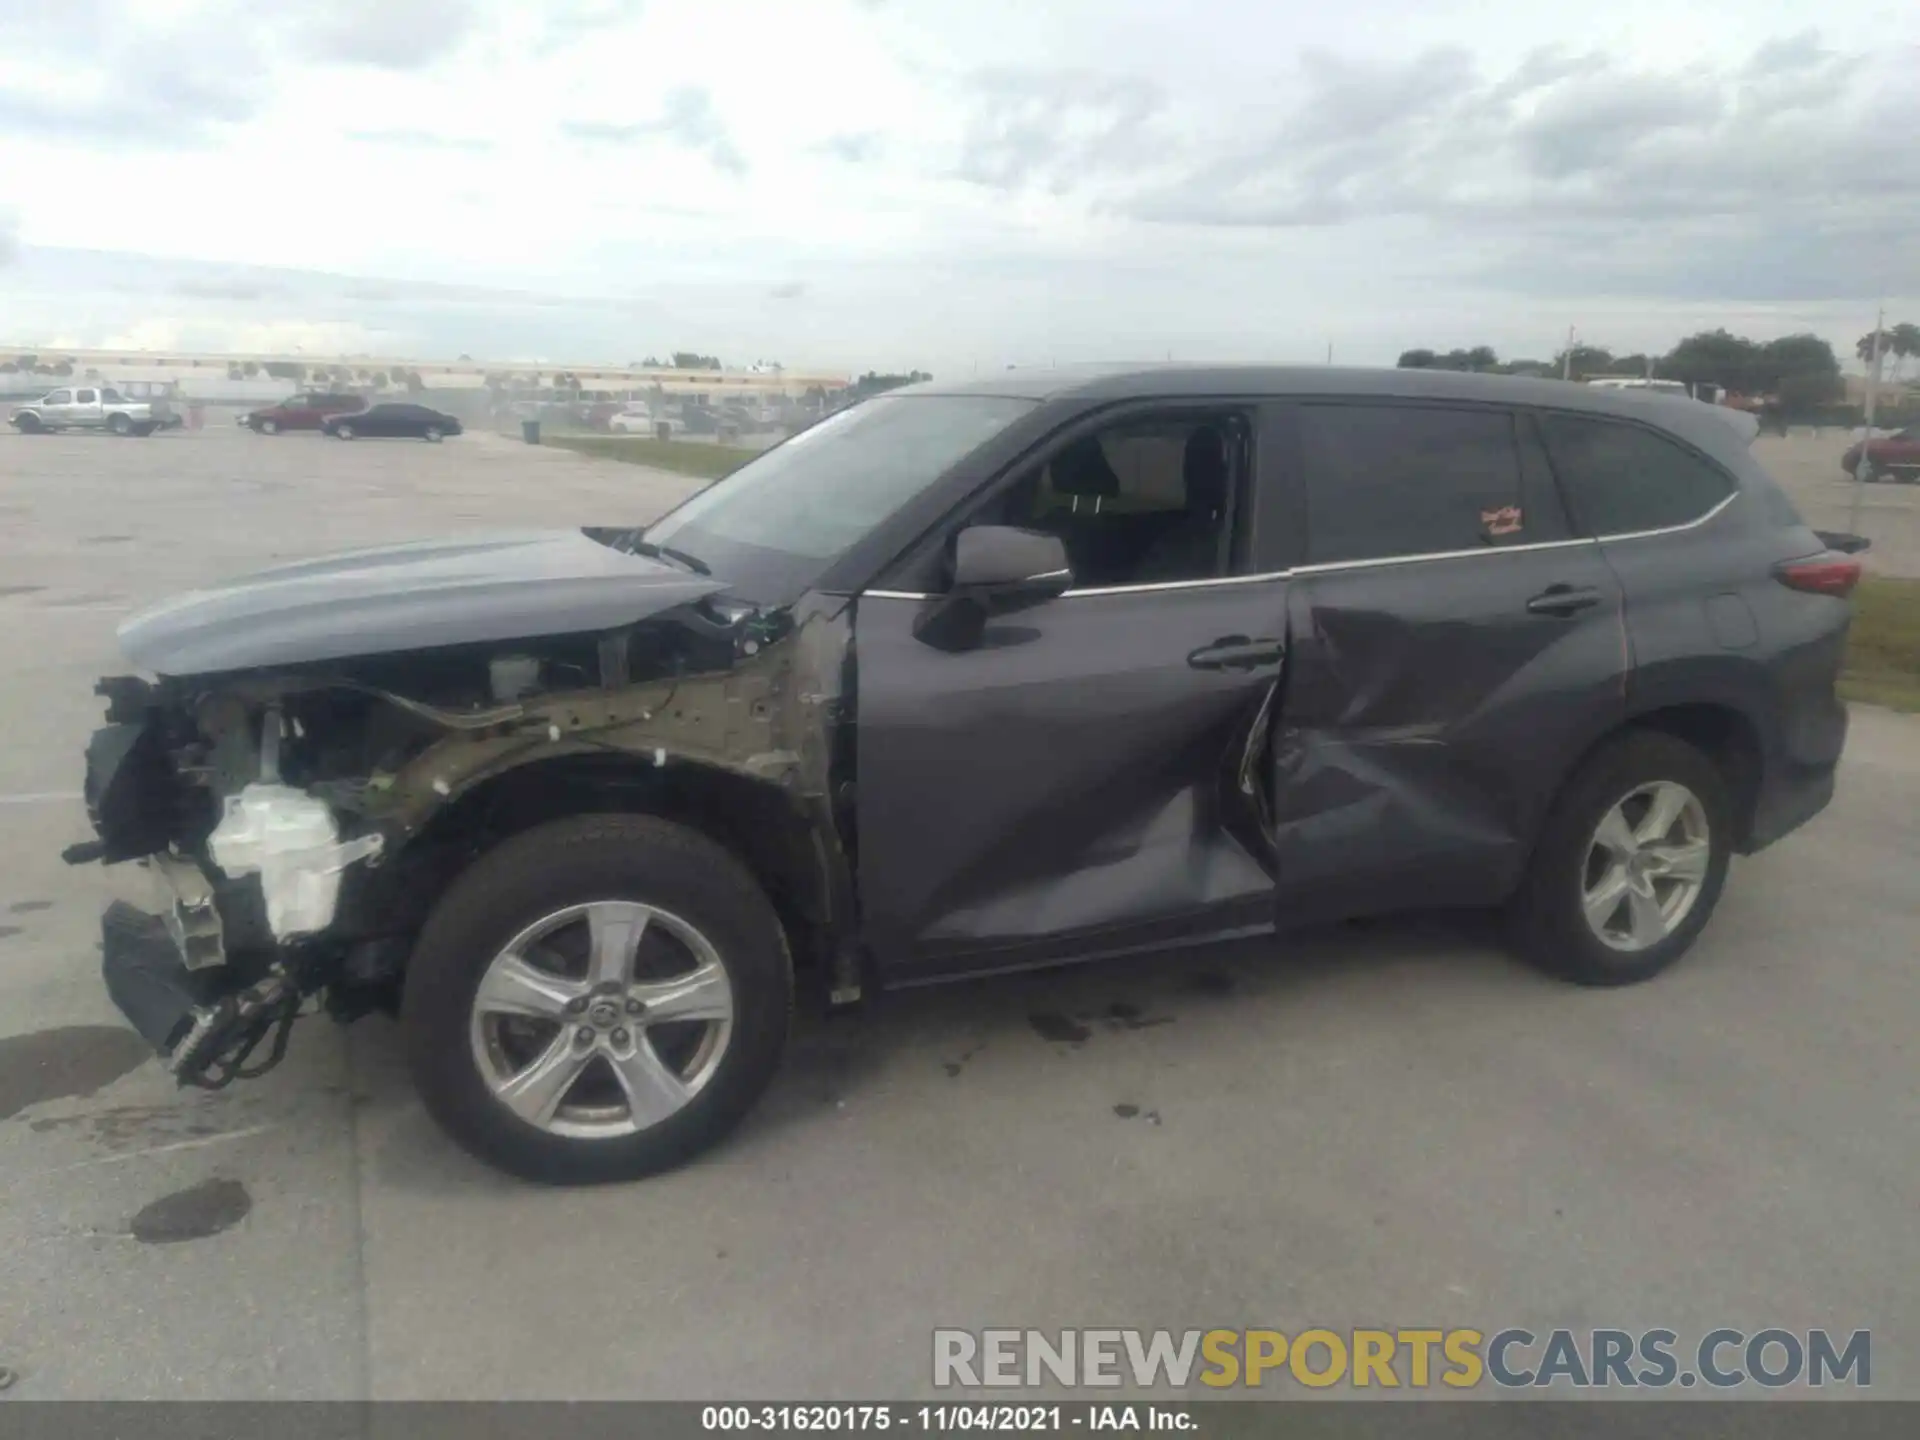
[(1564, 600), (1237, 652)]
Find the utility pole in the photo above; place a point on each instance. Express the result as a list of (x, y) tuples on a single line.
[(1566, 360), (1329, 352), (1865, 466)]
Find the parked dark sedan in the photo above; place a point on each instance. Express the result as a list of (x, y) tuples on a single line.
[(961, 680), (393, 420)]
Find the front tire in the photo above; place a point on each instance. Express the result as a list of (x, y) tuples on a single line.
[(1630, 863), (432, 435), (29, 425), (343, 432), (269, 427), (597, 999)]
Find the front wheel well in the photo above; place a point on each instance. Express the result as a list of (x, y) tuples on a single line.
[(756, 820)]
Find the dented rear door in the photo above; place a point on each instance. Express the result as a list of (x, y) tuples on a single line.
[(1453, 648)]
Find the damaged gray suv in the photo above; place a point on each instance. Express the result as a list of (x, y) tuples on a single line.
[(965, 679)]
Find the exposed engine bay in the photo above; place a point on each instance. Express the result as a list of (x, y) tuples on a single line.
[(300, 819)]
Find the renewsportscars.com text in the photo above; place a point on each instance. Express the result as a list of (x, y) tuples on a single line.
[(1416, 1359)]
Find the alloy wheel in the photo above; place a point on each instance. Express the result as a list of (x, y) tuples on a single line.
[(602, 1020), (1646, 866)]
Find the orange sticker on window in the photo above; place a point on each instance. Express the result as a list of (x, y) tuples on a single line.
[(1504, 521)]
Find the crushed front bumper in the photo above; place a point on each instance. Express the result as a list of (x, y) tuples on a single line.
[(204, 1023)]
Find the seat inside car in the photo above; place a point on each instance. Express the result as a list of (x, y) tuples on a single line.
[(1190, 548)]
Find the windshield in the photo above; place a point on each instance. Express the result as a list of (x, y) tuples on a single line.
[(774, 526)]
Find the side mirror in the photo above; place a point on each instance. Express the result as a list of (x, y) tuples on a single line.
[(1006, 567), (997, 569)]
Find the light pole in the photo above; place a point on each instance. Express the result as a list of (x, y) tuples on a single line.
[(1865, 466), (1566, 360)]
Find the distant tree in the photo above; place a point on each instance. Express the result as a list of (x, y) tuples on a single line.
[(8, 367), (233, 370), (1802, 370), (283, 370), (1416, 360), (1716, 357), (27, 364), (1898, 344), (1537, 369), (320, 376), (250, 370), (411, 379), (653, 362), (379, 379), (61, 368), (1587, 360), (466, 359), (690, 360), (362, 376), (1637, 364)]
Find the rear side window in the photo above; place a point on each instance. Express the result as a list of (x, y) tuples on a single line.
[(1620, 479), (1395, 480)]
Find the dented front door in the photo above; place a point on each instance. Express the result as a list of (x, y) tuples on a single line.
[(1088, 778)]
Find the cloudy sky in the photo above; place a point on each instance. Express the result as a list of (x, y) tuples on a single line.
[(952, 184)]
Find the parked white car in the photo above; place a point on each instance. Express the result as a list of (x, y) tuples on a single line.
[(639, 419), (91, 407)]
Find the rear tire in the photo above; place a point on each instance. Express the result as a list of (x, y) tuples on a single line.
[(269, 427), (343, 432), (1573, 870), (120, 425), (694, 888)]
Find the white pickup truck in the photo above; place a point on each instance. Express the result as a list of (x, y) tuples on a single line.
[(91, 407)]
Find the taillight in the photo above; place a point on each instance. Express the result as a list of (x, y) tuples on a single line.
[(1824, 574)]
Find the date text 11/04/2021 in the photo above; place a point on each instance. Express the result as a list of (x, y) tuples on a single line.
[(949, 1419)]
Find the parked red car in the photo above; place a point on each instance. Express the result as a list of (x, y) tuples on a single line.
[(1893, 457), (300, 412)]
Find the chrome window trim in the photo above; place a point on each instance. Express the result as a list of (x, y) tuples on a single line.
[(1330, 567), (1324, 567), (1671, 529)]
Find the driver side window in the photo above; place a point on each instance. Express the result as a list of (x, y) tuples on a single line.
[(1148, 500)]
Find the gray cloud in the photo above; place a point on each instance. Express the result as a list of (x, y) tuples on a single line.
[(568, 22), (144, 76), (1052, 128), (687, 119), (856, 147), (791, 290), (387, 34), (215, 289), (1786, 173), (134, 76), (421, 140)]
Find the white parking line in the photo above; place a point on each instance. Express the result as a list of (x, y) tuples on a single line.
[(42, 797)]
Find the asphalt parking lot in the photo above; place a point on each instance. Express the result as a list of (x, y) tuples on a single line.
[(1389, 1124)]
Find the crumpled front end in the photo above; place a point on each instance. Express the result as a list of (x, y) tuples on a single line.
[(299, 820), (246, 873)]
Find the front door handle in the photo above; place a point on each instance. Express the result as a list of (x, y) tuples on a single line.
[(1237, 652), (1564, 600)]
